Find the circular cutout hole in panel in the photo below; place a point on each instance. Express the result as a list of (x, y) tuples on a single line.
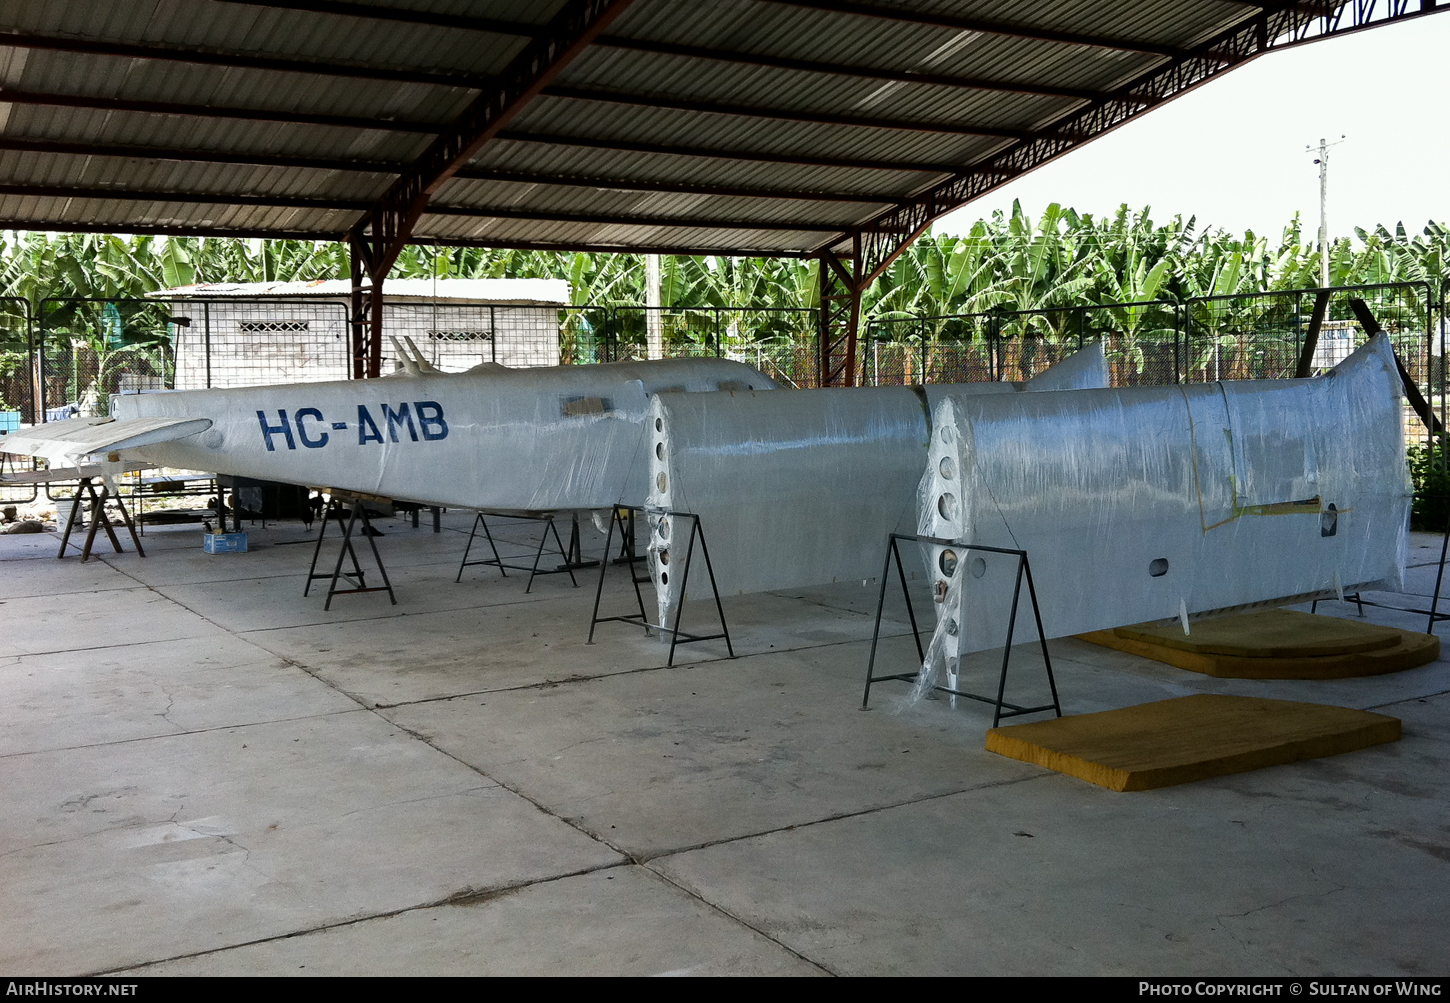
[(947, 435), (952, 628), (664, 557), (946, 505), (979, 567), (660, 450), (948, 467), (661, 481), (659, 424), (663, 529), (947, 562), (1158, 567), (664, 577)]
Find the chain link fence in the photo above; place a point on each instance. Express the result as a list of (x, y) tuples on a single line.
[(18, 381), (1261, 335), (88, 349), (1141, 340), (75, 352), (779, 341)]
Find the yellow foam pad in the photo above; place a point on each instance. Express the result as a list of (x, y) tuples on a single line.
[(1276, 644), (1189, 738)]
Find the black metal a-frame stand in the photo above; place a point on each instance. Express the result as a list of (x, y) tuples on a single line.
[(572, 556), (624, 516), (99, 519), (1432, 615), (1001, 708), (358, 512)]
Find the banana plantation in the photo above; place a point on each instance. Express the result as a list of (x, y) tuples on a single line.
[(1173, 300), (1007, 263)]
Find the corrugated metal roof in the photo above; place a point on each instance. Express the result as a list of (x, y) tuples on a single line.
[(739, 125)]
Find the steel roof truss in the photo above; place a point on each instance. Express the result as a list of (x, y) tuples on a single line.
[(1272, 26)]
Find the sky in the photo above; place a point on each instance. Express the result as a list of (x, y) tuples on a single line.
[(1233, 154)]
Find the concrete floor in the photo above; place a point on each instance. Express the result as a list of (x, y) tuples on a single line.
[(204, 772)]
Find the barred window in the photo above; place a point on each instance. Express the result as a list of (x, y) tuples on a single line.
[(273, 326), (460, 336)]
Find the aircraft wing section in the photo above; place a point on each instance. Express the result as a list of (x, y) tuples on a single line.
[(68, 441)]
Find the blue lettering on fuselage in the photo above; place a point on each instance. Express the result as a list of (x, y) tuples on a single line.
[(419, 419), (307, 440)]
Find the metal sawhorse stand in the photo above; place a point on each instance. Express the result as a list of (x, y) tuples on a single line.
[(99, 519), (1001, 708), (624, 516), (334, 510), (571, 556)]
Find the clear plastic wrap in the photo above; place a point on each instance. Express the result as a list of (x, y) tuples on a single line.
[(1147, 503), (801, 488), (570, 437)]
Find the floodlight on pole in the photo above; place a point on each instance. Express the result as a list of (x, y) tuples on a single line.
[(1323, 161)]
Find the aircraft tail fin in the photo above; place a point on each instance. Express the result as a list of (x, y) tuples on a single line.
[(1085, 369), (409, 366), (424, 366)]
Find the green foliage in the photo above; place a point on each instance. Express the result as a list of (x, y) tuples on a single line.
[(1432, 488), (1009, 262)]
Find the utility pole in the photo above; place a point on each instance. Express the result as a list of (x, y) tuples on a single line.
[(1323, 162)]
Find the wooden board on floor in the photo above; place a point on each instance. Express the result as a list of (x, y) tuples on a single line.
[(1276, 644), (1190, 738)]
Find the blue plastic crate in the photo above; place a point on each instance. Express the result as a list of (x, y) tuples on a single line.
[(225, 543), (9, 421)]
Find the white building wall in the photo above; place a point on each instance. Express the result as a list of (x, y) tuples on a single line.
[(260, 342)]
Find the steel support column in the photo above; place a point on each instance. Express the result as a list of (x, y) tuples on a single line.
[(375, 326), (363, 307), (841, 289)]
